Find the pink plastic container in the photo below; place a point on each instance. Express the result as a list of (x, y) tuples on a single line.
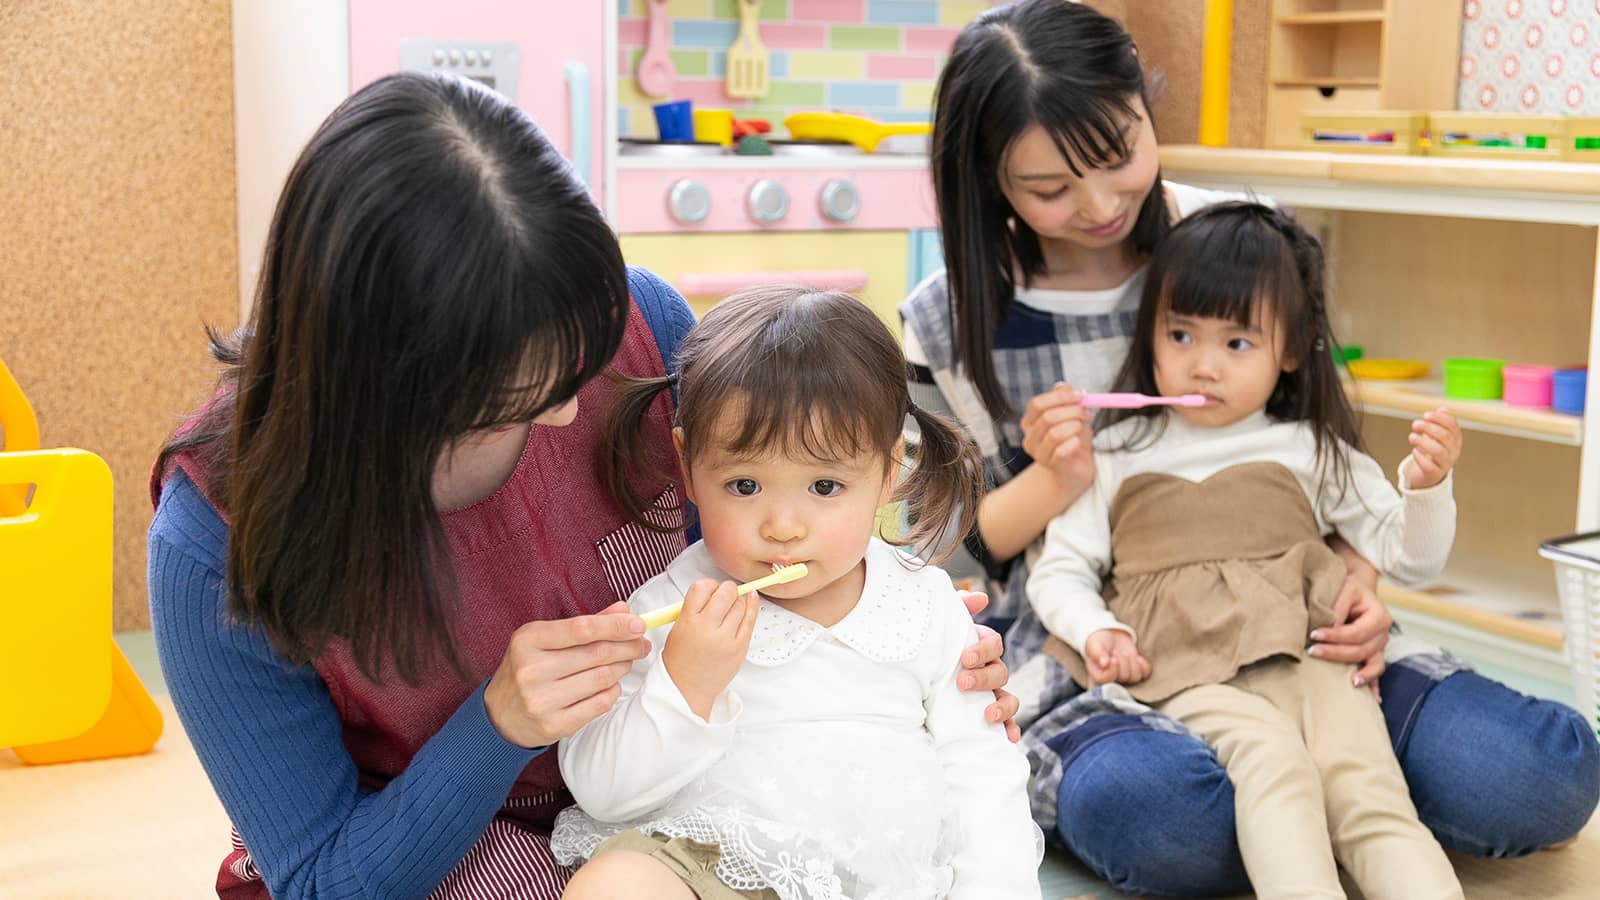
[(1527, 386)]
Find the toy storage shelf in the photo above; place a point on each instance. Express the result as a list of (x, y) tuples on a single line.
[(1507, 190), (1357, 54), (1337, 17), (1409, 399), (1330, 81), (1514, 601), (1430, 253)]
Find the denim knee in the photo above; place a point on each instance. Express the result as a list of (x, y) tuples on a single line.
[(1152, 813), (1498, 773)]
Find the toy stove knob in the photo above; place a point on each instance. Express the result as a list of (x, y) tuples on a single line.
[(839, 201), (767, 201), (688, 201)]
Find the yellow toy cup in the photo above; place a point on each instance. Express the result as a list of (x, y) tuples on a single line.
[(714, 126)]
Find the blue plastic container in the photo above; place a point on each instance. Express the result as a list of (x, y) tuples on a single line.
[(1567, 387), (675, 120)]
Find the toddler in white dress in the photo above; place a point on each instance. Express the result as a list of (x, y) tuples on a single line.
[(809, 741)]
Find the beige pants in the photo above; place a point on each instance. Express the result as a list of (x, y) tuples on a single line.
[(1312, 766)]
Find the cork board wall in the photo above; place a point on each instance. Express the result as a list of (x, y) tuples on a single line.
[(117, 230), (1169, 35)]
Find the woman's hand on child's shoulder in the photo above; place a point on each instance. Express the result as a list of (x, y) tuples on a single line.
[(709, 641), (1056, 435), (1113, 658), (1435, 448)]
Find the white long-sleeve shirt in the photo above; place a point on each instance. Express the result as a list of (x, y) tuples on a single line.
[(853, 734), (1406, 534)]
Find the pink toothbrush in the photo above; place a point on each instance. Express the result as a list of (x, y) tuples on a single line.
[(1136, 401)]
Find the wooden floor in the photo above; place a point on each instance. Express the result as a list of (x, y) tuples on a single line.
[(150, 826)]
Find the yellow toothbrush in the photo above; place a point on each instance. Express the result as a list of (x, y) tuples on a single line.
[(779, 576)]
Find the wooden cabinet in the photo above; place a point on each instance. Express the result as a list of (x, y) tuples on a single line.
[(1431, 258), (1358, 54)]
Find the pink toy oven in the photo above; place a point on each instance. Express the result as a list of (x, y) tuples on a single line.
[(822, 192)]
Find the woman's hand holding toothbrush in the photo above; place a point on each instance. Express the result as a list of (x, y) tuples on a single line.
[(1055, 433), (707, 645)]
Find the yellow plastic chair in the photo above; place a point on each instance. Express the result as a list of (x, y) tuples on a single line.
[(66, 691)]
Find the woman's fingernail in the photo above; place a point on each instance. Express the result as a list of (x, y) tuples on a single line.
[(966, 682), (1317, 635), (1315, 651), (1359, 681)]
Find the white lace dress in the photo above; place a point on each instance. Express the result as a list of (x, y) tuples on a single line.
[(840, 763)]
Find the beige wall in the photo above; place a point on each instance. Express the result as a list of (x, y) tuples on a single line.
[(117, 234)]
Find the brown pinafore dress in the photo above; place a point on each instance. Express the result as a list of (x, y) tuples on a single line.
[(1213, 576)]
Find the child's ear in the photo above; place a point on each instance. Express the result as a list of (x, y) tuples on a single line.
[(891, 478), (683, 464)]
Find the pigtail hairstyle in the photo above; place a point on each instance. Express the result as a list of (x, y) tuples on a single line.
[(621, 463), (1058, 65), (943, 488), (787, 369)]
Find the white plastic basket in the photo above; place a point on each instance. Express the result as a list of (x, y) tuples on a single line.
[(1577, 559)]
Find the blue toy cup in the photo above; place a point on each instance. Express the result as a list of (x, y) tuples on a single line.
[(1567, 387), (675, 120)]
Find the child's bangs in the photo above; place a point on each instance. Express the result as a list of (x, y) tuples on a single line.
[(827, 429), (1227, 274)]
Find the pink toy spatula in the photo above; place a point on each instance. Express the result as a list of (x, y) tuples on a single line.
[(1136, 401)]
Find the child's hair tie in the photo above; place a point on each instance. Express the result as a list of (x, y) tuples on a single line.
[(672, 379), (1320, 345)]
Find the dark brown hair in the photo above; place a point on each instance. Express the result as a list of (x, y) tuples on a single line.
[(1058, 65), (433, 267), (1235, 261), (813, 373)]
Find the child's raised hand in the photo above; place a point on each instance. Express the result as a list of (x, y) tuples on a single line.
[(708, 642), (1435, 447), (1056, 434), (1112, 658)]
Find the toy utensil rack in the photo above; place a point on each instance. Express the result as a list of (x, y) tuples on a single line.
[(1389, 132), (1496, 136)]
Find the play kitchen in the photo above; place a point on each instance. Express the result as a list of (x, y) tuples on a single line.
[(730, 143)]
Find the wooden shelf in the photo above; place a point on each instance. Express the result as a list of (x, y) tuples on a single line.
[(1518, 603), (1341, 17), (1501, 189), (1408, 399), (1329, 81)]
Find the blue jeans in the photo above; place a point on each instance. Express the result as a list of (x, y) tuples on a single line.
[(1492, 772)]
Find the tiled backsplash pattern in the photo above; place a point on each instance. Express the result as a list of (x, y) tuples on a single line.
[(877, 58)]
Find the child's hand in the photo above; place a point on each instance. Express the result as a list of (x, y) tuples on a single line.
[(708, 642), (1113, 659), (1435, 448), (1055, 433)]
